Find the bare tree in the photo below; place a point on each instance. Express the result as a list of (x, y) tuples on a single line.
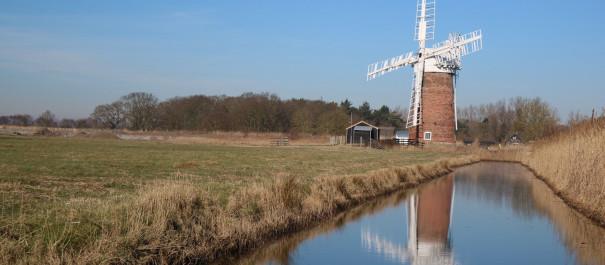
[(46, 119), (332, 122), (86, 123), (402, 113), (110, 115), (140, 110), (302, 121), (530, 118), (535, 118), (67, 123)]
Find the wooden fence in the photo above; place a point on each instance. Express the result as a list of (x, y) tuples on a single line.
[(408, 142), (338, 140), (281, 141)]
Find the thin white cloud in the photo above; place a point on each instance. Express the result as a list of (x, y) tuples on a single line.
[(37, 52), (199, 16)]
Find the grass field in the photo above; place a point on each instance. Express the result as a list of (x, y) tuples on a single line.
[(39, 169), (56, 193)]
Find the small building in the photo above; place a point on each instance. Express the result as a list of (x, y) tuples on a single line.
[(362, 133)]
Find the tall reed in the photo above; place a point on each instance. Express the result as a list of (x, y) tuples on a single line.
[(573, 163)]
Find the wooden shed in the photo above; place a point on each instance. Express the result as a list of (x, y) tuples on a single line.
[(362, 133)]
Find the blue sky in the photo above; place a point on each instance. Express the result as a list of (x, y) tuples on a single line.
[(69, 56)]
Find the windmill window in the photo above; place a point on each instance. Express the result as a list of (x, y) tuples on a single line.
[(428, 136)]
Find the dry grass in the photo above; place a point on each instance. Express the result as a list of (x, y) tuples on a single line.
[(175, 137), (572, 163), (175, 222), (279, 251), (103, 201), (181, 225)]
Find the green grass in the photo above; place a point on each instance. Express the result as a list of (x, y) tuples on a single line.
[(72, 167), (43, 179)]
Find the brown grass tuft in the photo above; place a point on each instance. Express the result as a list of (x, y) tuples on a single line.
[(179, 221), (175, 223)]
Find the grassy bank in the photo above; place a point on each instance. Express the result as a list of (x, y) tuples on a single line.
[(87, 201), (572, 163)]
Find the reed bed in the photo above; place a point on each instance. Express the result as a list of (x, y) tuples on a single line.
[(572, 163)]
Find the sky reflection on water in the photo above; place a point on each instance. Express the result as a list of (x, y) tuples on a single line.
[(487, 213)]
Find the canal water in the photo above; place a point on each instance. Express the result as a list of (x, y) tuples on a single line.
[(486, 213)]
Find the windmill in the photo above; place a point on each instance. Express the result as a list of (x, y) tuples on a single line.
[(432, 113)]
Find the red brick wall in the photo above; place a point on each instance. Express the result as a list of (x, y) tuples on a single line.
[(412, 132), (434, 209), (437, 108)]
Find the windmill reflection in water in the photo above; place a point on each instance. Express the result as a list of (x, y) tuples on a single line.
[(429, 213)]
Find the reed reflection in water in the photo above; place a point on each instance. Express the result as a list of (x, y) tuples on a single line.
[(487, 213)]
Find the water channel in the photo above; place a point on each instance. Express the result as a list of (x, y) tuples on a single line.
[(487, 213)]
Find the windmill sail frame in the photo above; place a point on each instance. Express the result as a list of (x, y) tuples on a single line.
[(444, 56)]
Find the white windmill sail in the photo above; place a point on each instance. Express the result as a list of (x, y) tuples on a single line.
[(457, 46), (425, 21), (425, 30), (447, 56), (380, 68), (414, 113)]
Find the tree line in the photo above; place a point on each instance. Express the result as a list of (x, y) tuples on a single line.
[(529, 118), (46, 119), (249, 112)]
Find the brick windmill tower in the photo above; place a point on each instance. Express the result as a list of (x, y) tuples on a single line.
[(432, 114)]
